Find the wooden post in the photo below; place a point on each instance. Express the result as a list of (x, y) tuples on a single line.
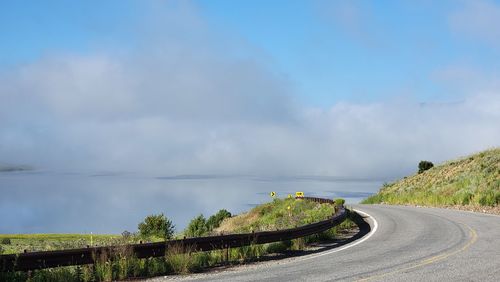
[(226, 247)]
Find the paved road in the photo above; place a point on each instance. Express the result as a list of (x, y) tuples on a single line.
[(410, 244)]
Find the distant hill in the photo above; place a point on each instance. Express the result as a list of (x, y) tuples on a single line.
[(468, 181), (6, 168)]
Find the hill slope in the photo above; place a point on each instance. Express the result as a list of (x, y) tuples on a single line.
[(468, 181), (278, 214)]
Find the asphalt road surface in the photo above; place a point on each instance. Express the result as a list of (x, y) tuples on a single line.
[(405, 244)]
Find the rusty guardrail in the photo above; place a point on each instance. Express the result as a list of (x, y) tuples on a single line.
[(48, 259)]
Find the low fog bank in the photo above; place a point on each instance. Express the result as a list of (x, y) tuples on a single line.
[(188, 100)]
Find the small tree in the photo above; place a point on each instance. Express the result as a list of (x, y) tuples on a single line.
[(215, 220), (424, 165), (157, 225), (197, 227), (339, 202)]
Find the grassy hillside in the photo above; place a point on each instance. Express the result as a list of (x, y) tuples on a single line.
[(278, 214), (473, 180)]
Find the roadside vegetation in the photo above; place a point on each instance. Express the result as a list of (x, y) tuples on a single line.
[(472, 181), (278, 214)]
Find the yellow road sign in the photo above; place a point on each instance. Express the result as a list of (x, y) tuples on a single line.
[(299, 194), (273, 194)]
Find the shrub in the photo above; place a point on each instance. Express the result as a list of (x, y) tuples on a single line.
[(126, 235), (156, 225), (339, 202), (424, 165), (6, 241), (197, 227), (215, 220)]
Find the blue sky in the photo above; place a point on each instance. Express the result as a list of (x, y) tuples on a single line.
[(202, 83), (375, 50)]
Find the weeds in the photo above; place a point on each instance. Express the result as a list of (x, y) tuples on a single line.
[(179, 261)]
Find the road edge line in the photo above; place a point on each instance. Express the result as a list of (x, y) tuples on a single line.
[(357, 242)]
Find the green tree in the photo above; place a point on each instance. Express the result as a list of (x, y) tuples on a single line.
[(197, 227), (156, 225), (424, 165), (215, 220)]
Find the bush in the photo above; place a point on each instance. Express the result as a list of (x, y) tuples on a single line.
[(339, 202), (126, 235), (6, 241), (197, 227), (156, 225), (215, 220), (424, 165)]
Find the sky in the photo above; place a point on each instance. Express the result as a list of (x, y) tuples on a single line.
[(338, 88)]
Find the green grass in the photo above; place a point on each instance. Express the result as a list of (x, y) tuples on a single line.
[(47, 242), (276, 215), (471, 180)]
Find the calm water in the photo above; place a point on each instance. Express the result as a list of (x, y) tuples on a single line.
[(55, 202)]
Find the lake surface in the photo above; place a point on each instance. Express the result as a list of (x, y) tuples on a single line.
[(70, 202)]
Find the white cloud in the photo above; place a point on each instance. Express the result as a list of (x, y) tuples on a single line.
[(180, 108)]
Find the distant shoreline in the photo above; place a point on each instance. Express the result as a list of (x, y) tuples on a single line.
[(9, 168)]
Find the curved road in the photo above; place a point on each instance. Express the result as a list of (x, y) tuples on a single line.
[(409, 244)]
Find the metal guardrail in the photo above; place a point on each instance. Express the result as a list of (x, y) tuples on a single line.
[(48, 259)]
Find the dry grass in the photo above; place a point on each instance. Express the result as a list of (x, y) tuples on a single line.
[(231, 224)]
